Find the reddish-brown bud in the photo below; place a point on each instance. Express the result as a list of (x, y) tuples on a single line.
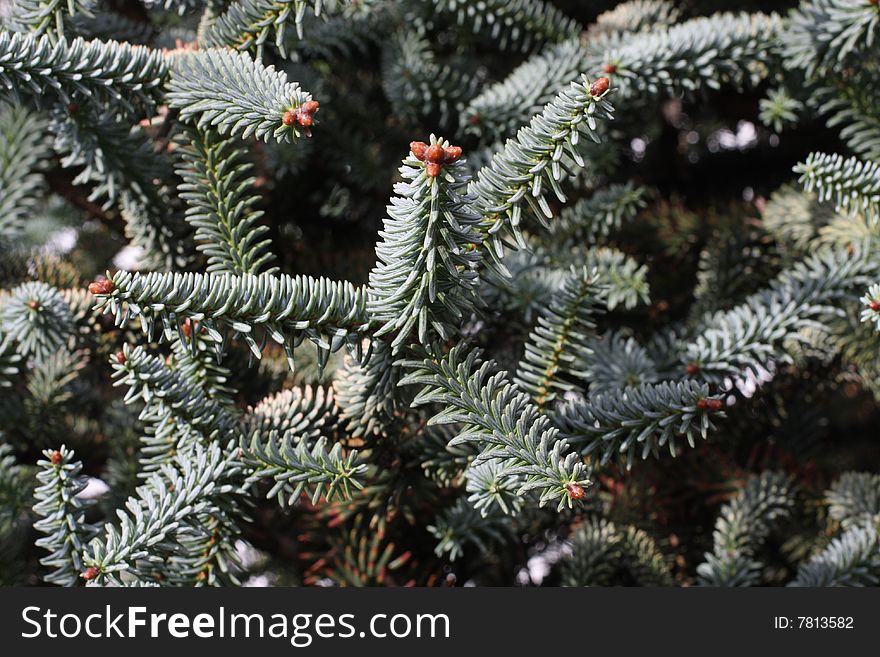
[(874, 305), (56, 458), (610, 69), (120, 357), (187, 327), (433, 169), (90, 573), (288, 118), (452, 153), (418, 149), (435, 154), (101, 286), (33, 304), (475, 119), (599, 87), (72, 108), (713, 405), (692, 368), (575, 491)]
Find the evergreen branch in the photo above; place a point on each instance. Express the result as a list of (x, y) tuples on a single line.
[(35, 67), (852, 559), (169, 395), (726, 49), (62, 516), (854, 185), (307, 412), (417, 86), (871, 300), (635, 16), (9, 362), (286, 308), (248, 24), (36, 317), (16, 498), (603, 554), (366, 390), (297, 467), (501, 419), (23, 149), (167, 509), (755, 332), (616, 362), (519, 175), (461, 525), (426, 277), (765, 502), (504, 107), (854, 498), (238, 96), (512, 23), (639, 420), (560, 339), (592, 219), (216, 186), (42, 16), (826, 34)]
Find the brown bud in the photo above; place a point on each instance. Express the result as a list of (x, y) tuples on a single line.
[(599, 87), (120, 357), (713, 405), (610, 69), (452, 153), (874, 305), (90, 573), (187, 327), (418, 149), (433, 169), (56, 458), (692, 368), (101, 286), (575, 491), (475, 119), (435, 154), (72, 108), (33, 304), (288, 118)]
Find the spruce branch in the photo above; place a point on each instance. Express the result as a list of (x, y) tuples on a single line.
[(853, 184), (285, 308), (23, 151), (248, 24), (107, 71), (765, 502), (519, 24), (602, 554), (62, 516), (296, 466), (519, 176), (502, 420), (235, 95), (560, 339), (44, 16), (871, 301), (425, 279), (756, 332), (462, 525), (639, 420), (852, 559), (854, 498), (828, 34), (168, 508), (216, 185), (35, 316)]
